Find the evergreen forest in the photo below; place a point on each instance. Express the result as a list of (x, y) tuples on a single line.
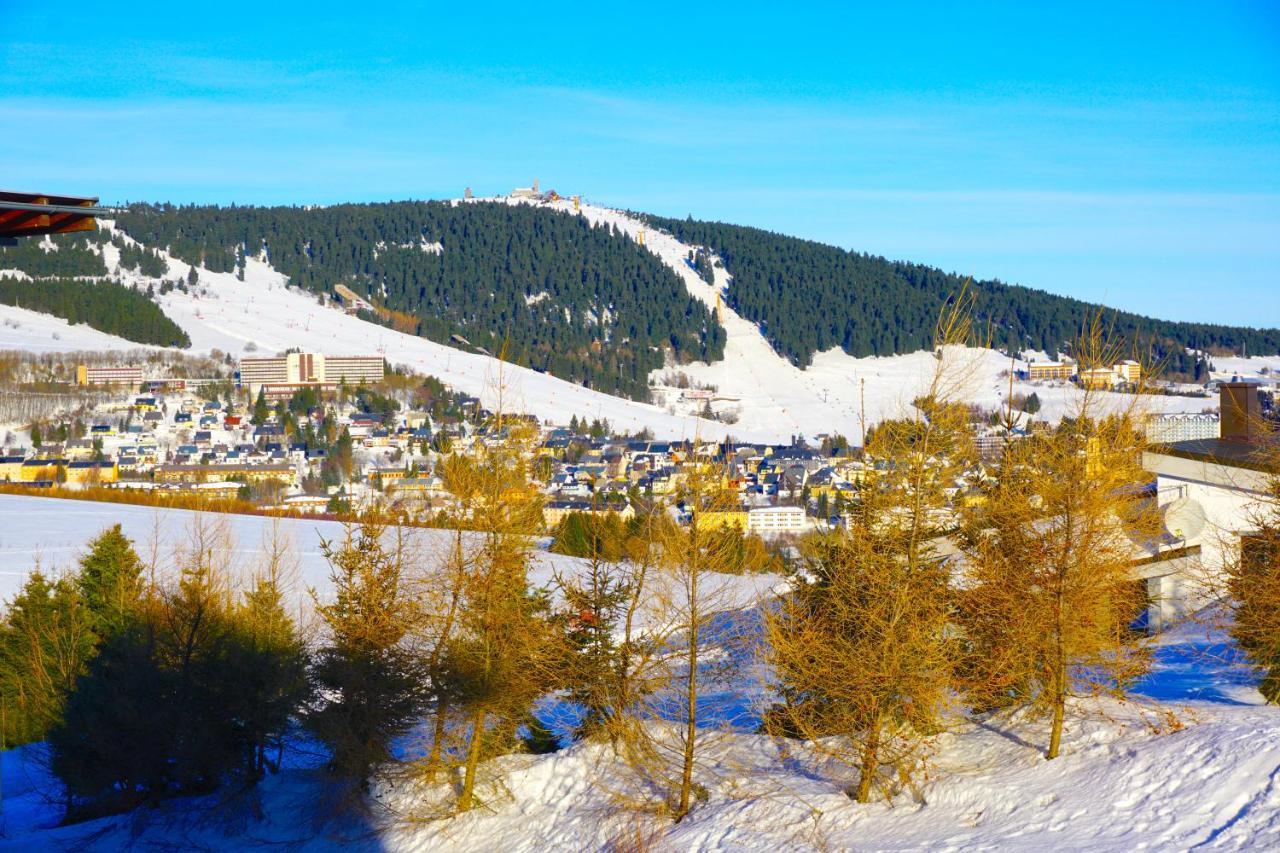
[(104, 305), (808, 297)]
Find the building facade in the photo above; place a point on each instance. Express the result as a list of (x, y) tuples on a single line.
[(1051, 370), (108, 375), (767, 520), (298, 369)]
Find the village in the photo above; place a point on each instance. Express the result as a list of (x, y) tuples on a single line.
[(292, 435), (305, 435)]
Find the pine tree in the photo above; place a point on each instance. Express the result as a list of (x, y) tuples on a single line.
[(502, 654), (273, 661), (862, 645), (1049, 601), (46, 640), (261, 411), (370, 686)]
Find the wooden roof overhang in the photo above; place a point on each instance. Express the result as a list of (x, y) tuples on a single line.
[(33, 214)]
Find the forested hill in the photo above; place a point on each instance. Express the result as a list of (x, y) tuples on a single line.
[(580, 302), (65, 275), (808, 297)]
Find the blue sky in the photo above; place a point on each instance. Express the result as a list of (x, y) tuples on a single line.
[(1129, 156)]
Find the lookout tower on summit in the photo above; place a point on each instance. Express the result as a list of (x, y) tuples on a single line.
[(527, 192)]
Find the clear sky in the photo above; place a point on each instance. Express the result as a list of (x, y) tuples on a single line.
[(1125, 153)]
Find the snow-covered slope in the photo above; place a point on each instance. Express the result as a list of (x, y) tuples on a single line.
[(265, 315), (21, 329), (774, 395), (51, 533), (772, 398)]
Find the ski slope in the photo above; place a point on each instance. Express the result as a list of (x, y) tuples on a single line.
[(772, 398), (837, 390)]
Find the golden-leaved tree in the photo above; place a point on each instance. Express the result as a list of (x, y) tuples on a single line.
[(1049, 596), (861, 645), (501, 653)]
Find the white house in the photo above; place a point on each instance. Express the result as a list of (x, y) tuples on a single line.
[(1210, 491)]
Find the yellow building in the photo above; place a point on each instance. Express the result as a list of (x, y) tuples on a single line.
[(1128, 371), (715, 519), (11, 468), (554, 512), (89, 473), (384, 477), (1050, 370), (223, 473), (37, 470), (1098, 378)]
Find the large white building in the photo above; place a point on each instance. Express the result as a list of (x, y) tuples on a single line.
[(766, 520), (108, 375), (298, 369)]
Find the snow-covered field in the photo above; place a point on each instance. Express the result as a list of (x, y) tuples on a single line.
[(1191, 763), (32, 331), (51, 534), (775, 400)]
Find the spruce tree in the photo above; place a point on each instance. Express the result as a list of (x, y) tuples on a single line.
[(110, 581)]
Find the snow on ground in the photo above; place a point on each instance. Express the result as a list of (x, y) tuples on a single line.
[(32, 331), (1267, 366), (51, 533), (1192, 763), (1130, 778)]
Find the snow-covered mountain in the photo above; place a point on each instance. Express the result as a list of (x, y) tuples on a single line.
[(767, 397)]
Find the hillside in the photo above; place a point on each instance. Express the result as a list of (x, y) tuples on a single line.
[(264, 313), (809, 297), (761, 395), (576, 296), (67, 276), (564, 297)]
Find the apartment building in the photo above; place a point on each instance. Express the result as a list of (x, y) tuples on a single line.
[(1042, 370), (298, 369), (766, 520), (108, 375), (1128, 371)]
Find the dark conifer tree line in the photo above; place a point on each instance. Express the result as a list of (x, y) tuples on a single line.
[(808, 297), (104, 305), (71, 256)]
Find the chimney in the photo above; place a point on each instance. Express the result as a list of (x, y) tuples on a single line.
[(1239, 410)]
